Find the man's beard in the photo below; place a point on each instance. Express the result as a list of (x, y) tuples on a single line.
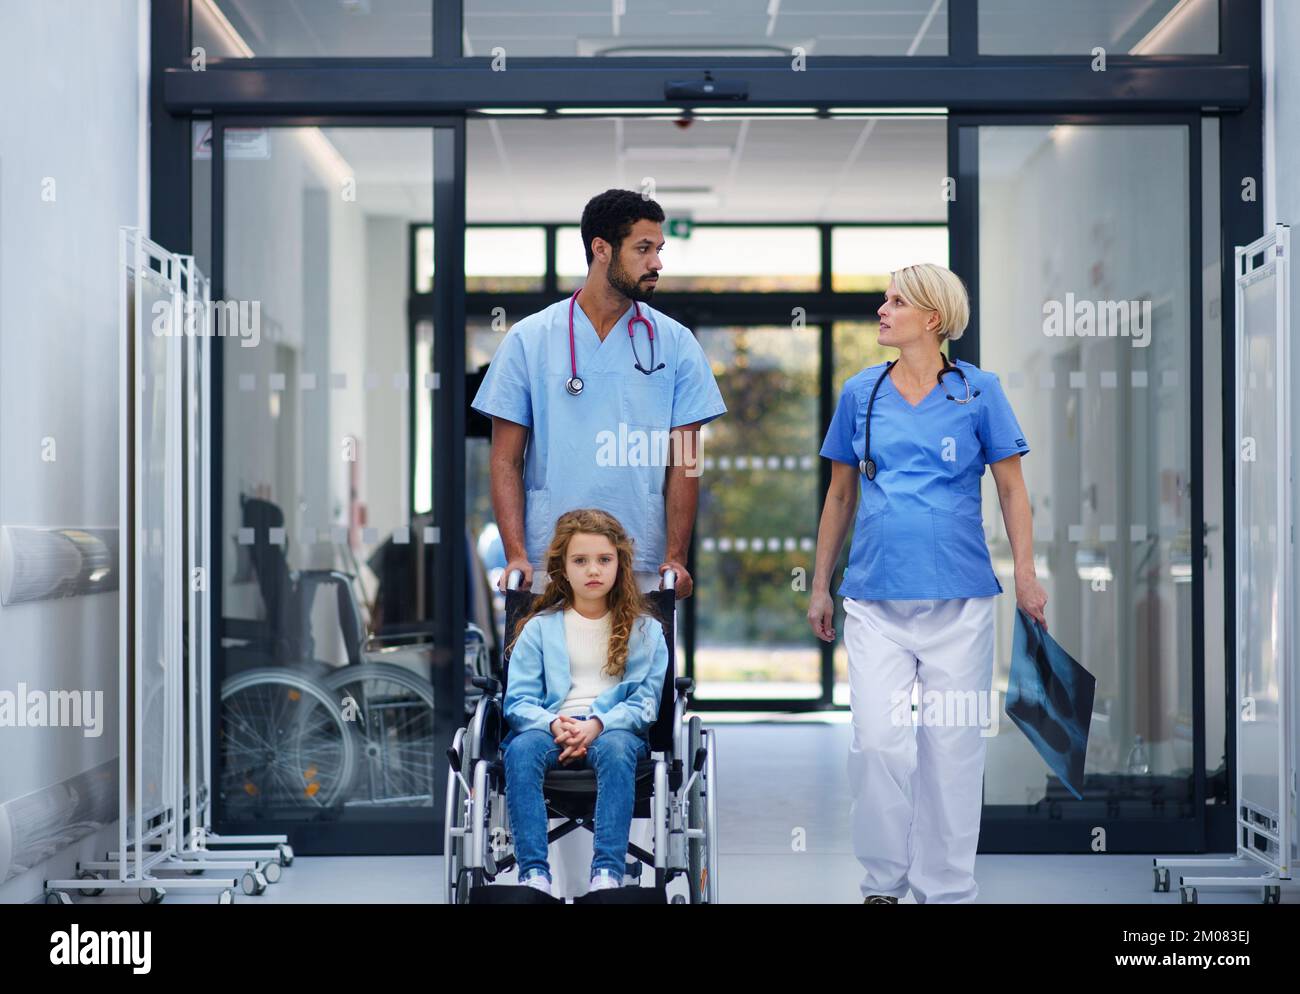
[(622, 282)]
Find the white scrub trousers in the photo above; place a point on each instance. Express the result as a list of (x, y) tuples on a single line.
[(917, 791)]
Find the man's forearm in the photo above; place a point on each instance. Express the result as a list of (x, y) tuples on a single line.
[(508, 505), (681, 500)]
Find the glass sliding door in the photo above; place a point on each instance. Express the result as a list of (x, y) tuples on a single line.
[(1086, 308), (339, 670)]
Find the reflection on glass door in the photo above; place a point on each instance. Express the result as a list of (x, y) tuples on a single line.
[(328, 724), (1085, 314)]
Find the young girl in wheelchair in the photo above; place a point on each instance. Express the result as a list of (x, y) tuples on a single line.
[(586, 669)]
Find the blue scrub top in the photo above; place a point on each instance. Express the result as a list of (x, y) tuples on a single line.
[(606, 447), (919, 533)]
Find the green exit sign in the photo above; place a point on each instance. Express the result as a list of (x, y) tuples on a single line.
[(679, 227)]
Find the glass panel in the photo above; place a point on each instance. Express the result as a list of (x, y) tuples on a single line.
[(1121, 27), (156, 542), (712, 259), (1090, 336), (422, 488), (497, 260), (504, 259), (757, 519), (424, 259), (244, 29), (863, 258), (728, 28), (1262, 602), (482, 338), (1218, 571), (324, 408)]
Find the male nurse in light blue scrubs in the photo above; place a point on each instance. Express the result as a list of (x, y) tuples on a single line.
[(588, 424), (581, 414), (919, 588)]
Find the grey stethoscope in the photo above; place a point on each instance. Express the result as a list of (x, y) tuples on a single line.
[(574, 384), (867, 466)]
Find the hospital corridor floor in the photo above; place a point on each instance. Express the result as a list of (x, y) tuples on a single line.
[(783, 811)]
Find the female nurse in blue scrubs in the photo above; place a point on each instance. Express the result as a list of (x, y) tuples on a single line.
[(919, 588)]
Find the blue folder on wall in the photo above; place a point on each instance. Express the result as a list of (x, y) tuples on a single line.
[(1049, 697)]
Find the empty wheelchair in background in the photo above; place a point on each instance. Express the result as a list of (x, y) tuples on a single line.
[(298, 732), (676, 787)]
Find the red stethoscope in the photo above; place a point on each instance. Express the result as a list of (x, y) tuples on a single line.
[(574, 384)]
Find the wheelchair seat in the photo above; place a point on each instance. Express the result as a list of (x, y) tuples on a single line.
[(580, 784), (570, 785)]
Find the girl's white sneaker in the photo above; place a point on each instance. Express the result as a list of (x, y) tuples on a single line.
[(604, 880), (539, 881)]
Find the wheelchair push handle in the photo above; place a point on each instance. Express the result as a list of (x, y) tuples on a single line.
[(667, 580)]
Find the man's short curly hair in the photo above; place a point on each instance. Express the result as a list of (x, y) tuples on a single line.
[(610, 215)]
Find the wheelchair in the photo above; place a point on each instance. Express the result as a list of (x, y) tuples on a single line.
[(299, 733), (676, 787)]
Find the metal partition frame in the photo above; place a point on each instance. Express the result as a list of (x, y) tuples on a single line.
[(1265, 777), (150, 745), (199, 845), (1265, 823)]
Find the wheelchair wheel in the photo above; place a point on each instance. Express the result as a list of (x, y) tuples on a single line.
[(711, 816), (453, 843), (390, 710), (284, 742), (697, 849)]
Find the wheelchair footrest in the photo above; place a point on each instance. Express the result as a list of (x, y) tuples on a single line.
[(510, 894), (625, 895)]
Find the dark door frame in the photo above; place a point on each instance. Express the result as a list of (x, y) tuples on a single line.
[(390, 831), (1066, 825)]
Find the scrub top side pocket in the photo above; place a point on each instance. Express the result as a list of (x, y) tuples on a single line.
[(868, 551), (538, 526), (961, 556)]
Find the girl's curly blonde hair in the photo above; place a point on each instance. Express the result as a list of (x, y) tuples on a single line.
[(626, 602)]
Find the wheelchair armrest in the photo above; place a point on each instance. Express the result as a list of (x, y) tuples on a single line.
[(382, 641), (485, 729), (324, 576), (349, 613), (490, 685)]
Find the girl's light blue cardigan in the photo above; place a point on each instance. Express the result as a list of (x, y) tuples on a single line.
[(538, 678)]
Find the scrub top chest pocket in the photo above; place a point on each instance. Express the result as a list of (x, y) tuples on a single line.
[(647, 400)]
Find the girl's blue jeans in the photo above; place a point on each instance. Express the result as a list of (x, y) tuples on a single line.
[(613, 754)]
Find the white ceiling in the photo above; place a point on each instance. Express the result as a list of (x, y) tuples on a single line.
[(531, 170), (750, 170)]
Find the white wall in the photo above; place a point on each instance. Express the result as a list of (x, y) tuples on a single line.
[(70, 113)]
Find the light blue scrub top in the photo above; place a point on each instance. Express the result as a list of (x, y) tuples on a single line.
[(919, 533), (605, 447)]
